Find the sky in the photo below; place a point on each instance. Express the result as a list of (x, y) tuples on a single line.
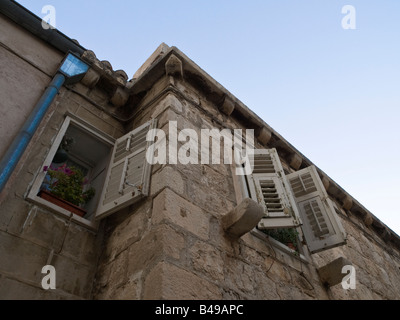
[(327, 81)]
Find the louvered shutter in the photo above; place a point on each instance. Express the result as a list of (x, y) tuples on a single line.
[(128, 173), (321, 226), (268, 186)]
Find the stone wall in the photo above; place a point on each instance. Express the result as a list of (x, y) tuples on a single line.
[(25, 63), (376, 262), (172, 245), (30, 235)]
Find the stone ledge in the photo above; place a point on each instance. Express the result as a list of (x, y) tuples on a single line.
[(331, 274), (243, 218)]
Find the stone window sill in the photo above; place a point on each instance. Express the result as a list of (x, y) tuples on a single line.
[(285, 250), (93, 226)]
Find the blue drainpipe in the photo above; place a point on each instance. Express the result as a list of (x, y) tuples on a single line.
[(72, 70)]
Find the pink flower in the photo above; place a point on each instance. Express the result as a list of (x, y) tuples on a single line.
[(45, 168)]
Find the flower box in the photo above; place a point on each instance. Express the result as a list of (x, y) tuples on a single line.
[(62, 203)]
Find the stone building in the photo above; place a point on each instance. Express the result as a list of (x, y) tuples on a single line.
[(169, 230)]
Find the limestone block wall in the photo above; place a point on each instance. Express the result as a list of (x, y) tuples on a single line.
[(376, 262), (172, 244), (32, 236), (25, 63)]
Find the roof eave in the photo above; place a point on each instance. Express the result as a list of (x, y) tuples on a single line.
[(32, 23)]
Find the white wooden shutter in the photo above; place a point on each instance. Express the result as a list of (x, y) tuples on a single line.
[(128, 173), (321, 226), (269, 187)]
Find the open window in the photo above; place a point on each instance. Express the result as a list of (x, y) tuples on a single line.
[(296, 205), (267, 185), (78, 176)]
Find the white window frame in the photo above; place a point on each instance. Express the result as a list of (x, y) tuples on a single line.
[(34, 189)]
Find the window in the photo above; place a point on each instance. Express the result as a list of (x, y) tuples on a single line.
[(80, 147), (290, 201)]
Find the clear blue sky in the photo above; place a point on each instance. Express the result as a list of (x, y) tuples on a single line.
[(332, 93)]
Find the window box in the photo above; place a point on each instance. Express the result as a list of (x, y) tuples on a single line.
[(46, 195)]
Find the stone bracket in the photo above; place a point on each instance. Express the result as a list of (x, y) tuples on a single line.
[(227, 106), (120, 97), (347, 203), (173, 66), (243, 218), (91, 78), (295, 161), (331, 274), (264, 135)]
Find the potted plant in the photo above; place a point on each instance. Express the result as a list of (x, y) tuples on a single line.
[(65, 187), (287, 236)]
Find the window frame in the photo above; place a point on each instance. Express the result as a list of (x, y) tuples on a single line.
[(35, 187), (242, 185), (242, 191)]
